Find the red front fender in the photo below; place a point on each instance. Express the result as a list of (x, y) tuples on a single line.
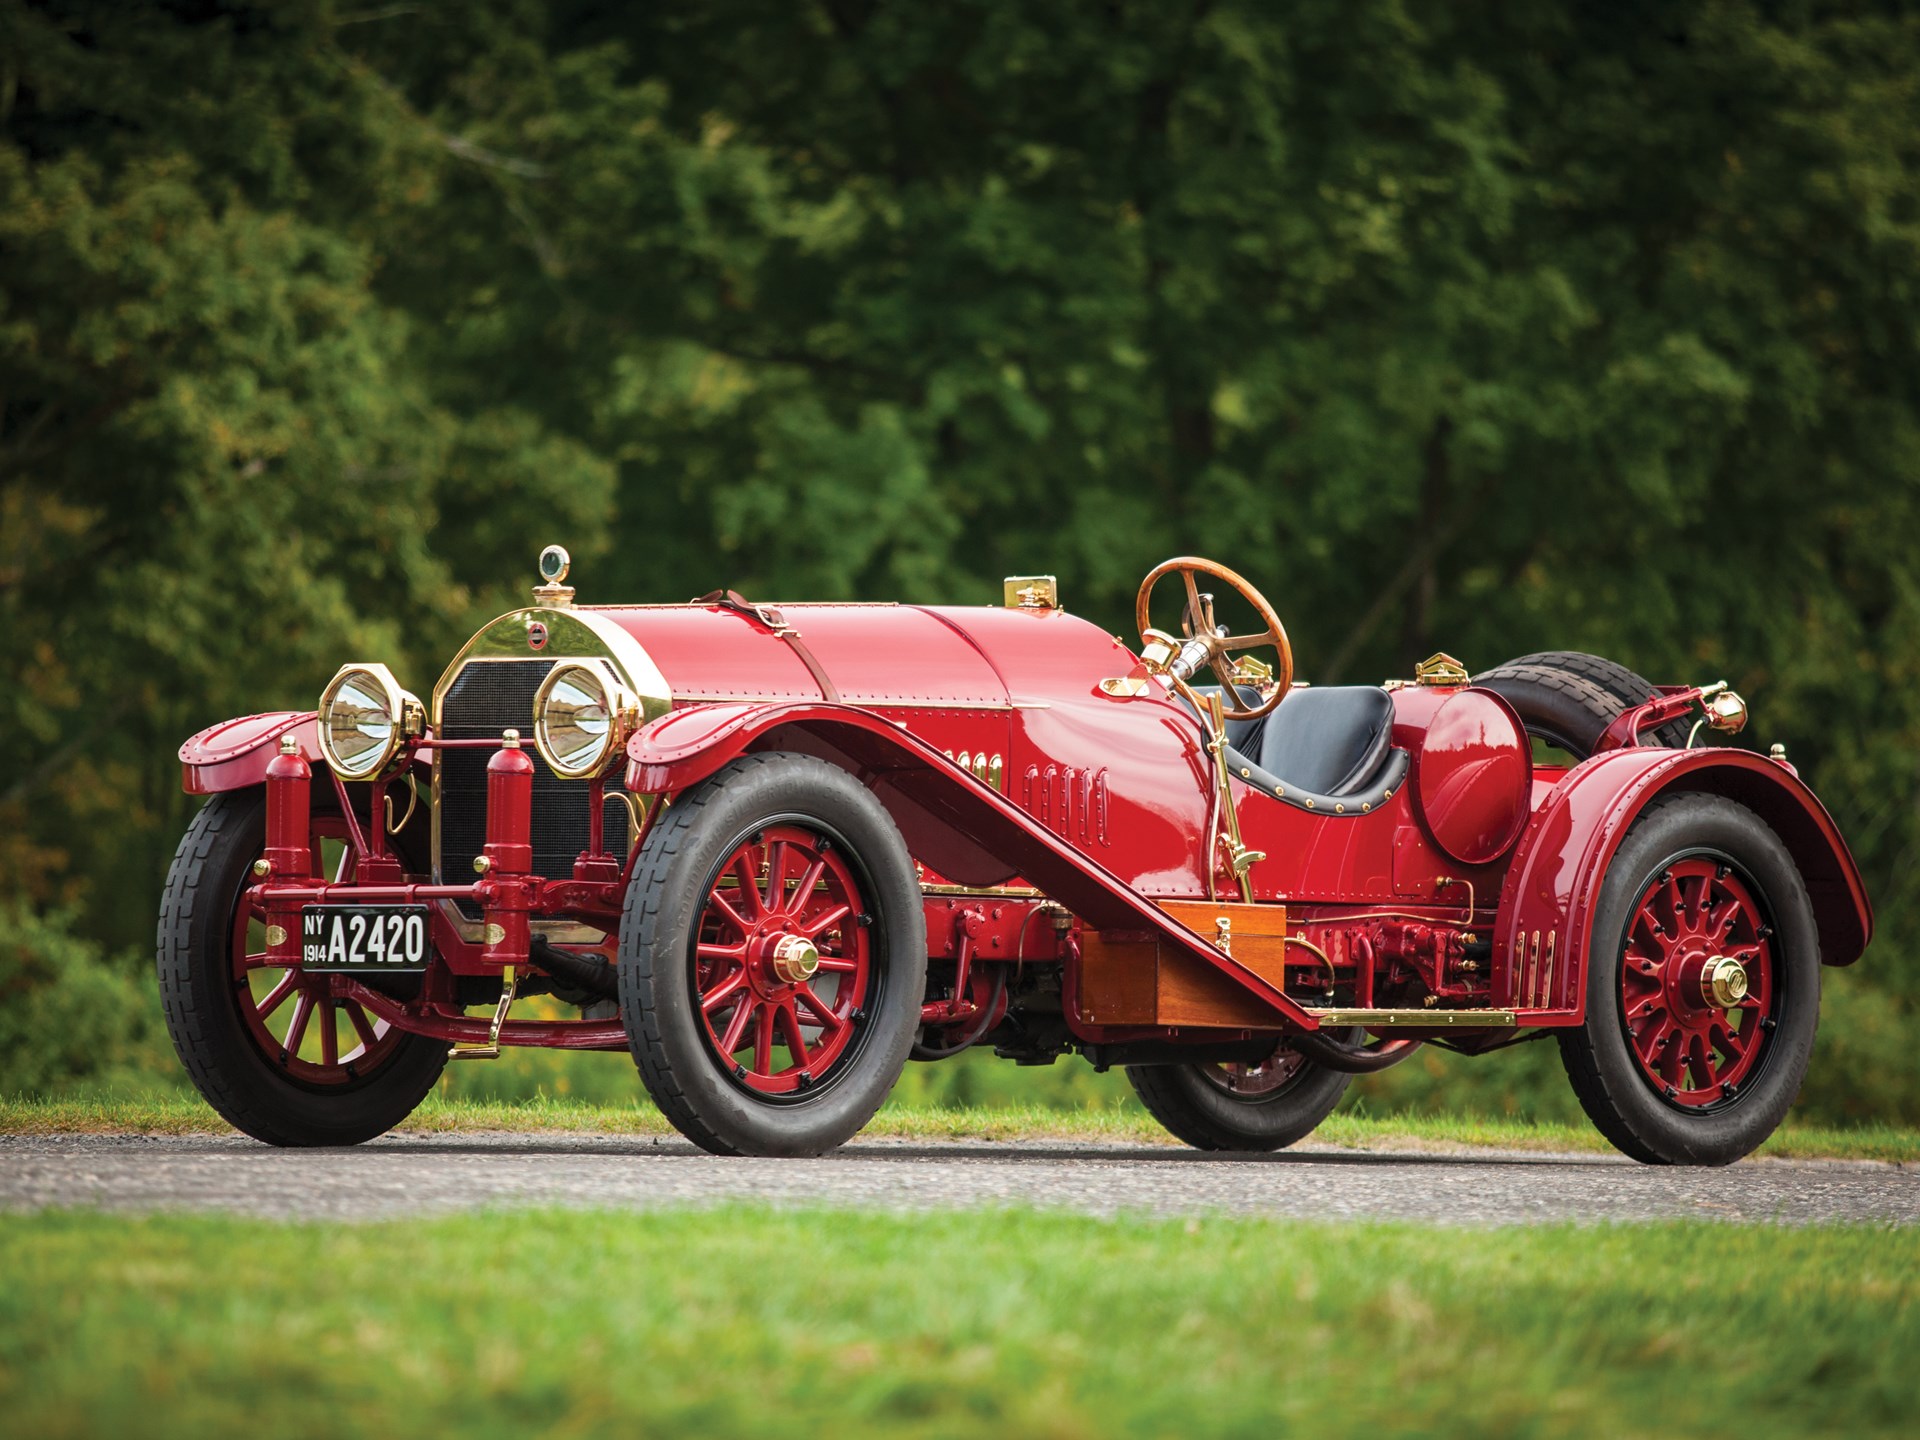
[(234, 754), (1551, 891), (954, 822)]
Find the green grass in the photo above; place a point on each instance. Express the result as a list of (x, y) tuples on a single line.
[(752, 1322), (173, 1113)]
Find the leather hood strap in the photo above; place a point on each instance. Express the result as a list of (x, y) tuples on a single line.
[(770, 617)]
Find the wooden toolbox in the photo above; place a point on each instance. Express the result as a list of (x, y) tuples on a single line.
[(1128, 977)]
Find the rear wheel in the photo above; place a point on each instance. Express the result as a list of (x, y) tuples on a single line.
[(272, 1049), (1267, 1106), (1703, 987), (1566, 699), (772, 958)]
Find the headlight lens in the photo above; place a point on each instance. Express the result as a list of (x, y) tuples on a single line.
[(581, 718), (363, 716)]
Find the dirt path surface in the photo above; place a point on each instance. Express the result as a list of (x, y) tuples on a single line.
[(409, 1175)]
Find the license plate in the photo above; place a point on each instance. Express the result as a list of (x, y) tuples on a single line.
[(372, 939)]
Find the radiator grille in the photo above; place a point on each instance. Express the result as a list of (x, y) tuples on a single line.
[(485, 698)]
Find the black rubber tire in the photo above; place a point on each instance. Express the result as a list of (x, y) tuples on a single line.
[(663, 904), (1196, 1111), (1614, 1091), (227, 1067), (1567, 698)]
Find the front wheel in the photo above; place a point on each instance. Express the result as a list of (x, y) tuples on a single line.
[(773, 958), (273, 1050), (1267, 1106), (1703, 987)]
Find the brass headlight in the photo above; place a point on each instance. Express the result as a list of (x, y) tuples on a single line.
[(364, 715), (582, 718)]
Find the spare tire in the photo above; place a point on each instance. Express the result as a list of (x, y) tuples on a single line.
[(1567, 699)]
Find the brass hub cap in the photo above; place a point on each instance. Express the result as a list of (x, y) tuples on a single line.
[(1723, 982), (795, 958)]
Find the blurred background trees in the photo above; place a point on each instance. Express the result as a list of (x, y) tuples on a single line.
[(1491, 327)]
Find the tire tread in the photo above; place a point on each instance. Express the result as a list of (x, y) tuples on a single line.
[(639, 918), (1166, 1092), (1604, 686)]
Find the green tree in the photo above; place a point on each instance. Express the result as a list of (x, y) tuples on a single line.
[(1485, 327)]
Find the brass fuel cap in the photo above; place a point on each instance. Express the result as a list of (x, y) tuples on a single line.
[(795, 958), (1723, 982)]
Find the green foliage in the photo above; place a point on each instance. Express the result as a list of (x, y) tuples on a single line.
[(1007, 1322), (1492, 328), (70, 1019)]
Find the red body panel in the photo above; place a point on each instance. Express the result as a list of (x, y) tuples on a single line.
[(876, 655), (1554, 882), (1472, 776), (987, 736), (926, 793)]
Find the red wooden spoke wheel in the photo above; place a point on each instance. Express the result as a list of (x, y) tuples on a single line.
[(1703, 1006), (295, 1019), (274, 1051), (782, 962), (773, 957), (1697, 983), (1261, 1078)]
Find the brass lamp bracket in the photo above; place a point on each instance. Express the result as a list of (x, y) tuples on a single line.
[(1155, 655)]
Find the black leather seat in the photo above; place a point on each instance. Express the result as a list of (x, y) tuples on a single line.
[(1331, 741), (1321, 743)]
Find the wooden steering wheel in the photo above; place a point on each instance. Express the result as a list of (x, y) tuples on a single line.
[(1204, 644)]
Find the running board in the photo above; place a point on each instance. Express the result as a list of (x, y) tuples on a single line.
[(1416, 1019)]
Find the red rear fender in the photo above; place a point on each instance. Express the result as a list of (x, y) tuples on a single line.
[(1547, 902)]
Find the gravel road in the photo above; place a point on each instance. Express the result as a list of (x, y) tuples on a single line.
[(409, 1175)]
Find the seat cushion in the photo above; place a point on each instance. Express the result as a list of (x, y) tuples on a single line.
[(1242, 735), (1328, 740)]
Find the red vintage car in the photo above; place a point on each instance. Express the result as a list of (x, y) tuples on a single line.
[(774, 852)]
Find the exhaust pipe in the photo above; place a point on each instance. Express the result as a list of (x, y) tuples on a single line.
[(575, 972), (1352, 1059)]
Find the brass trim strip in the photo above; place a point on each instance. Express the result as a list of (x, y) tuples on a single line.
[(1417, 1019), (998, 705), (1014, 892)]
